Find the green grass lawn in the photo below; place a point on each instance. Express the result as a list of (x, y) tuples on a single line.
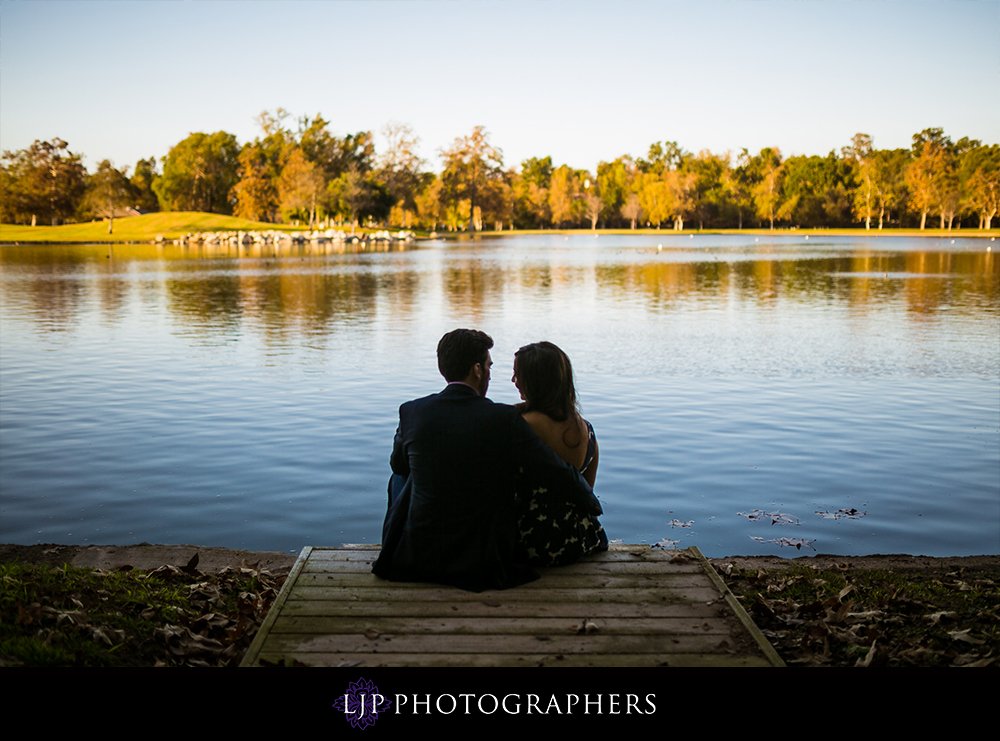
[(68, 616), (174, 224), (143, 228)]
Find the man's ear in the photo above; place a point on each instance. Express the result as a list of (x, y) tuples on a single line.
[(477, 370)]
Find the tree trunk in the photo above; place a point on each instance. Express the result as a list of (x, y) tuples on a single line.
[(923, 220), (111, 222)]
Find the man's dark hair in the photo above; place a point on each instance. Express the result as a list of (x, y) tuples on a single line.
[(461, 349)]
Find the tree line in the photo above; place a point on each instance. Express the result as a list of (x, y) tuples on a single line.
[(305, 174)]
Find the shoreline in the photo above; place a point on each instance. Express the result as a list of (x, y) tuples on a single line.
[(177, 234), (148, 556)]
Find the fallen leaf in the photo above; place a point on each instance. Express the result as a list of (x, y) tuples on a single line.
[(937, 617), (867, 660), (191, 565)]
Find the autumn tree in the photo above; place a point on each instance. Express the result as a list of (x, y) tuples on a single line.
[(359, 196), (737, 183), (767, 192), (706, 192), (565, 196), (631, 209), (614, 183), (981, 167), (681, 186), (255, 192), (335, 155), (259, 192), (399, 168), (593, 203), (865, 194), (888, 174), (108, 193), (471, 166), (300, 185), (655, 197), (661, 157), (429, 204), (665, 185), (920, 182), (531, 193), (930, 174), (325, 173), (43, 182)]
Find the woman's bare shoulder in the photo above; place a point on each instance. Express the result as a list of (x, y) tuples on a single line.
[(539, 422), (534, 416), (560, 436)]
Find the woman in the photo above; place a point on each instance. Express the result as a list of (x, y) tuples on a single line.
[(555, 532)]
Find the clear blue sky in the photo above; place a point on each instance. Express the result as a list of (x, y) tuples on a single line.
[(580, 81)]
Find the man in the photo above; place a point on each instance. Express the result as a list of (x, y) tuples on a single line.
[(456, 460)]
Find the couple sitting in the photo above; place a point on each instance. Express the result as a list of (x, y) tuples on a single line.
[(481, 492)]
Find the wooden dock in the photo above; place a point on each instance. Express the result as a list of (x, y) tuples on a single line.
[(631, 606)]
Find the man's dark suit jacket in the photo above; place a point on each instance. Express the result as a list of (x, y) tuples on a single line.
[(455, 521)]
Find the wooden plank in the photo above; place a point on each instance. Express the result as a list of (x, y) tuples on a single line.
[(335, 625), (420, 609), (562, 581), (250, 658), (617, 567), (506, 660), (516, 644), (765, 646), (343, 554), (615, 553), (391, 593)]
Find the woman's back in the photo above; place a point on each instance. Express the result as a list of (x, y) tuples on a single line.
[(568, 439), (553, 531)]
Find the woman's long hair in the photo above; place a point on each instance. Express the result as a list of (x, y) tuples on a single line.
[(545, 378)]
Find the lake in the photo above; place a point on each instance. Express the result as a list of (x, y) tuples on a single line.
[(788, 394)]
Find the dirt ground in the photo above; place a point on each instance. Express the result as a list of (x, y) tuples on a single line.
[(146, 556)]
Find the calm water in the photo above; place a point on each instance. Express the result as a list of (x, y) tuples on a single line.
[(846, 388)]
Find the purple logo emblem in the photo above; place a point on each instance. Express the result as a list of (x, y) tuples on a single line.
[(362, 703)]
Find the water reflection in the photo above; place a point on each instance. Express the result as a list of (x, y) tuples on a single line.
[(246, 396), (309, 289)]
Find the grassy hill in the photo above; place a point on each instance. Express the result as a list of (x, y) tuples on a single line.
[(143, 228), (174, 224)]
